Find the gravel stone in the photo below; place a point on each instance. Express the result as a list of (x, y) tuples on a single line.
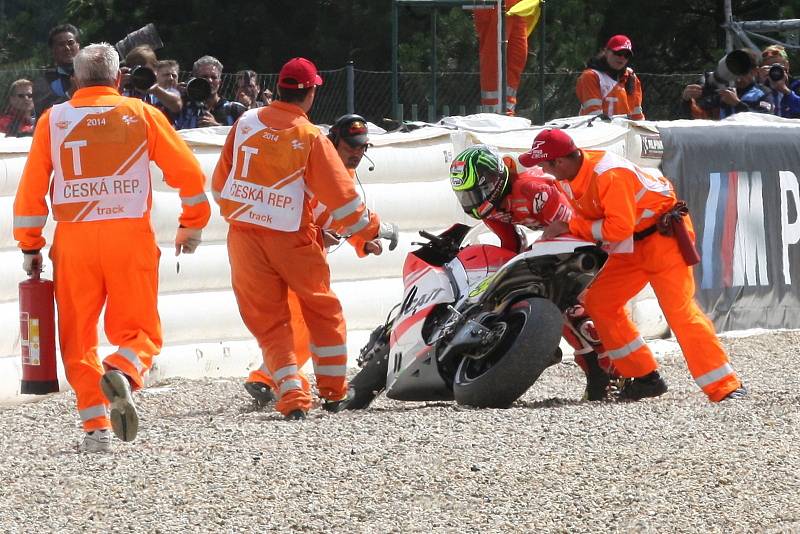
[(207, 460)]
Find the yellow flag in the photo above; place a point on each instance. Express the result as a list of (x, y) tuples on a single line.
[(530, 10)]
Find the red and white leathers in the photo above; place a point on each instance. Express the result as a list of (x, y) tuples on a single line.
[(98, 147), (599, 93), (516, 56), (612, 199), (535, 202), (274, 159)]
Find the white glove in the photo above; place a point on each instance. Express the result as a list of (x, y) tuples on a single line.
[(31, 262), (389, 232), (187, 240)]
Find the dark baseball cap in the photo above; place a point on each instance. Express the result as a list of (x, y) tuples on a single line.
[(352, 129)]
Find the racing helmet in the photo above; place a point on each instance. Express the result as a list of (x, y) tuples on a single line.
[(479, 178)]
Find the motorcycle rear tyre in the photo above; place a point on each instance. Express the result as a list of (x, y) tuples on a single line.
[(533, 349)]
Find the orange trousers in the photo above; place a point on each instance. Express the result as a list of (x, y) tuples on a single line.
[(112, 263), (656, 259), (302, 352), (265, 264), (516, 56)]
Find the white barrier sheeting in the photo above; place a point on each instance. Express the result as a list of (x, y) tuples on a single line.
[(408, 185)]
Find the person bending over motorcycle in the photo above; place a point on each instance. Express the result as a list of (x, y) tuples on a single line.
[(490, 189)]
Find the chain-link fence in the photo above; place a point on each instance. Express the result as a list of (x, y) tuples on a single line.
[(457, 93)]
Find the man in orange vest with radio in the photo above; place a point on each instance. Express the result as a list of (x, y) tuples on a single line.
[(649, 236), (349, 135), (273, 161), (98, 147)]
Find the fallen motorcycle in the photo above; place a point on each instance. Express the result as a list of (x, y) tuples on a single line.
[(477, 324)]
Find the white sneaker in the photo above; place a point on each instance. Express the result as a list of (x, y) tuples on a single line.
[(124, 419), (96, 441)]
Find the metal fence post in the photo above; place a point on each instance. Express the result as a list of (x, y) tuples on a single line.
[(395, 38), (542, 27), (351, 87)]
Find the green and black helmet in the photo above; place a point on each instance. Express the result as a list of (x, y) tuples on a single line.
[(479, 179)]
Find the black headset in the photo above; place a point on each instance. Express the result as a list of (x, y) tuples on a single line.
[(335, 133)]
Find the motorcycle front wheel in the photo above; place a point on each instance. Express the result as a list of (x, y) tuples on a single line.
[(503, 372)]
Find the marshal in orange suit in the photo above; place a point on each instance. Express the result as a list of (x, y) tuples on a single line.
[(520, 19), (92, 156), (650, 238)]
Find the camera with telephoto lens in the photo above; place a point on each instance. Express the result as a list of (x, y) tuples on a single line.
[(733, 65), (776, 72), (142, 78), (198, 90)]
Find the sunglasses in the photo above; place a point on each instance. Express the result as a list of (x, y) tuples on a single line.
[(623, 53)]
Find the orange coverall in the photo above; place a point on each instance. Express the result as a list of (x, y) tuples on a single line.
[(613, 199), (516, 56), (272, 162), (301, 338), (99, 146), (600, 93)]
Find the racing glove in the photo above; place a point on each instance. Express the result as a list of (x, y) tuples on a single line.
[(389, 232)]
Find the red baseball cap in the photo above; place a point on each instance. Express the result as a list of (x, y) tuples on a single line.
[(549, 144), (299, 73), (620, 42)]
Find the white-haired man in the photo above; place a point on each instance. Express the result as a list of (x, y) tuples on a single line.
[(98, 146)]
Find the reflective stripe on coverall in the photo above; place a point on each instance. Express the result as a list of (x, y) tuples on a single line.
[(516, 56), (324, 220), (600, 93), (104, 251), (613, 199), (280, 248)]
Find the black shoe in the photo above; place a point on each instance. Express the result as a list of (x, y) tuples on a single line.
[(597, 380), (338, 405), (649, 385), (736, 394), (260, 392), (296, 415)]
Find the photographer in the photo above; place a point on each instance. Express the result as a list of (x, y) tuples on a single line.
[(139, 80), (710, 101), (248, 93), (203, 106), (774, 72)]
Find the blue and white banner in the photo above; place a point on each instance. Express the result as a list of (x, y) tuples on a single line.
[(742, 188)]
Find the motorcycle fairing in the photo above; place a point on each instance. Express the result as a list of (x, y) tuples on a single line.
[(413, 372)]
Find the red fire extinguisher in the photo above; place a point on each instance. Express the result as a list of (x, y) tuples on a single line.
[(37, 336)]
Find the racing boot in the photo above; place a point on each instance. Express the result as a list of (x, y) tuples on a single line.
[(597, 379), (124, 419), (260, 392), (649, 385)]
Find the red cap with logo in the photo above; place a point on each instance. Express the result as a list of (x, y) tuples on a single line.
[(548, 145), (299, 73), (619, 42)]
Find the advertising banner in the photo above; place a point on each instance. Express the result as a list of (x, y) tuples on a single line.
[(741, 185)]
